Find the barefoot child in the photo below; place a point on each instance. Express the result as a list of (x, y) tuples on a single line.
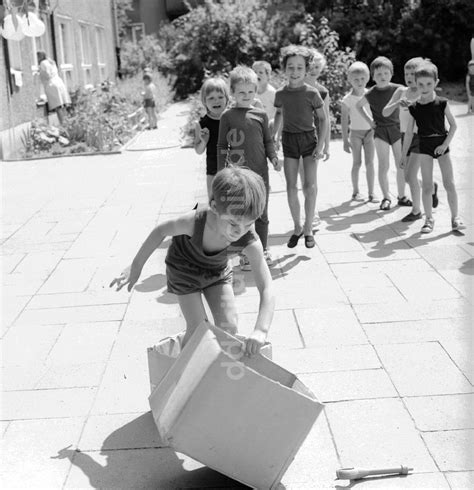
[(297, 104), (357, 132), (245, 140), (197, 262), (429, 113), (215, 98), (403, 98), (386, 129)]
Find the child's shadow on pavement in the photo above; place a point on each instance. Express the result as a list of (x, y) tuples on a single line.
[(155, 283), (136, 458), (336, 220)]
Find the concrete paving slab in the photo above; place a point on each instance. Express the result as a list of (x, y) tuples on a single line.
[(445, 412), (450, 308), (8, 263), (29, 449), (86, 298), (284, 331), (460, 480), (73, 314), (452, 449), (462, 280), (420, 331), (350, 385), (334, 325), (436, 374), (71, 376), (82, 343), (120, 431), (327, 358), (461, 353), (47, 404), (14, 378), (377, 433), (29, 344), (12, 306)]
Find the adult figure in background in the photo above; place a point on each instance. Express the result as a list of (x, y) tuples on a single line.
[(54, 87)]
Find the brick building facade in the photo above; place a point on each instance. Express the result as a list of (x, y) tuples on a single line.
[(80, 37)]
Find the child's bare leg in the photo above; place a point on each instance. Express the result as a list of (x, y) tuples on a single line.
[(153, 117), (209, 179), (446, 168), (193, 311), (426, 165), (413, 166), (148, 111), (291, 176), (369, 152), (301, 172), (221, 301), (310, 190), (382, 148), (397, 155), (356, 148)]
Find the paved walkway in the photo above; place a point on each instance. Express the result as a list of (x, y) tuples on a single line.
[(376, 320)]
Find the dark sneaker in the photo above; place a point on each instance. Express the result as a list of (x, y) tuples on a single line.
[(411, 217), (434, 196)]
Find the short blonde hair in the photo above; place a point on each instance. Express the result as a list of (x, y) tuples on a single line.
[(358, 67), (263, 64), (318, 56), (239, 191), (414, 63), (215, 84), (242, 74)]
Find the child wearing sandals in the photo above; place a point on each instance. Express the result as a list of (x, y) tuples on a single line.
[(197, 261), (402, 98), (215, 98), (297, 104), (429, 113), (386, 129), (357, 133)]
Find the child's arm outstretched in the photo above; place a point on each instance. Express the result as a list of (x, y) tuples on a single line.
[(360, 106), (407, 142), (441, 149), (179, 226), (345, 127), (394, 102), (263, 281), (201, 138)]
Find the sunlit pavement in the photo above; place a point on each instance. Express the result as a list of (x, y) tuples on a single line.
[(376, 320)]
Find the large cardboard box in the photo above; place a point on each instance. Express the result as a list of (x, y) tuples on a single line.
[(244, 417), (163, 355)]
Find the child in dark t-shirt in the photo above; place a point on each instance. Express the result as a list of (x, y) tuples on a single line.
[(386, 129), (429, 113)]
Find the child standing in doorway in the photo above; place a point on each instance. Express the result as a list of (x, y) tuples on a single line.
[(357, 133), (297, 104), (197, 261), (215, 98), (245, 140), (429, 113), (386, 129), (149, 101)]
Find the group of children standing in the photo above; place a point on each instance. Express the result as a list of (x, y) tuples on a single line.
[(241, 137)]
